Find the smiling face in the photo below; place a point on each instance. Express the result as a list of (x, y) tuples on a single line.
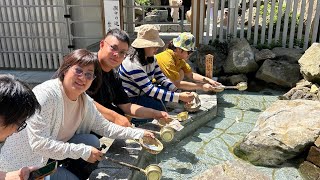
[(112, 52), (77, 80)]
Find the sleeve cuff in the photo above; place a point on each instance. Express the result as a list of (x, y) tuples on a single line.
[(176, 97), (87, 153)]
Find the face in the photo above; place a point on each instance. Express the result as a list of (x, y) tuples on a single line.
[(150, 51), (77, 80), (9, 130), (183, 54), (112, 52)]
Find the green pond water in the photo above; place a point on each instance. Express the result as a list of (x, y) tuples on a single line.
[(212, 144)]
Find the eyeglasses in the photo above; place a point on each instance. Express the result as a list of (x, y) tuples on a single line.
[(21, 126), (115, 49), (88, 75)]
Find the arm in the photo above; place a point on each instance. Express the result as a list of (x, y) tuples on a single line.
[(135, 76), (112, 115), (109, 129), (143, 112), (163, 80), (200, 78), (185, 85)]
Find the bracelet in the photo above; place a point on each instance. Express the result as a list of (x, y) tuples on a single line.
[(205, 80)]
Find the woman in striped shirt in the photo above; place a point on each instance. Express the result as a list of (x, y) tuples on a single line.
[(141, 76)]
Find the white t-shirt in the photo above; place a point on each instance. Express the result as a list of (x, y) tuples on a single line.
[(72, 117)]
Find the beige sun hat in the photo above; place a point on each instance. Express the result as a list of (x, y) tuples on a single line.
[(148, 36)]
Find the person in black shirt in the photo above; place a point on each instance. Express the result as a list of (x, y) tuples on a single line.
[(111, 99)]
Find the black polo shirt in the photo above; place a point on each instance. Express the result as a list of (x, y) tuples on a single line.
[(111, 93)]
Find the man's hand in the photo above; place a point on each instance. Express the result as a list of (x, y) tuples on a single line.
[(22, 174), (95, 155), (160, 115), (122, 121)]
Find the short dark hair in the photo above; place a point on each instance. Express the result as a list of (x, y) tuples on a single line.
[(81, 57), (170, 46), (17, 101), (120, 35)]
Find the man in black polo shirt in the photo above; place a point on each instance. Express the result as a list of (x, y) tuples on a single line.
[(111, 99)]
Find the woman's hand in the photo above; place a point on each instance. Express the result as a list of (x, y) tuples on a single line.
[(212, 82), (22, 174), (186, 96), (207, 87), (122, 121), (148, 134), (95, 155)]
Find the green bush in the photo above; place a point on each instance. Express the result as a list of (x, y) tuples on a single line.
[(275, 18), (220, 47), (143, 2)]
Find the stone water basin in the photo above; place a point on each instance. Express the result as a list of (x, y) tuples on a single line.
[(200, 147)]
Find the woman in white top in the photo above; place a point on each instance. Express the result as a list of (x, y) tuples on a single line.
[(62, 129)]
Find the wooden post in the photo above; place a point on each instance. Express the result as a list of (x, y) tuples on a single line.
[(209, 65), (195, 20), (121, 14), (103, 19)]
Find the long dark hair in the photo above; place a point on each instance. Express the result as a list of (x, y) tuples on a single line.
[(17, 101), (81, 57), (139, 54)]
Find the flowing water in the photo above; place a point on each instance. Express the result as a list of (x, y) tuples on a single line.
[(213, 143)]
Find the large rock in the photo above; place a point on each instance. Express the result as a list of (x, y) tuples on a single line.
[(232, 170), (292, 54), (263, 55), (240, 58), (279, 72), (310, 63), (301, 92), (281, 132), (309, 171)]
